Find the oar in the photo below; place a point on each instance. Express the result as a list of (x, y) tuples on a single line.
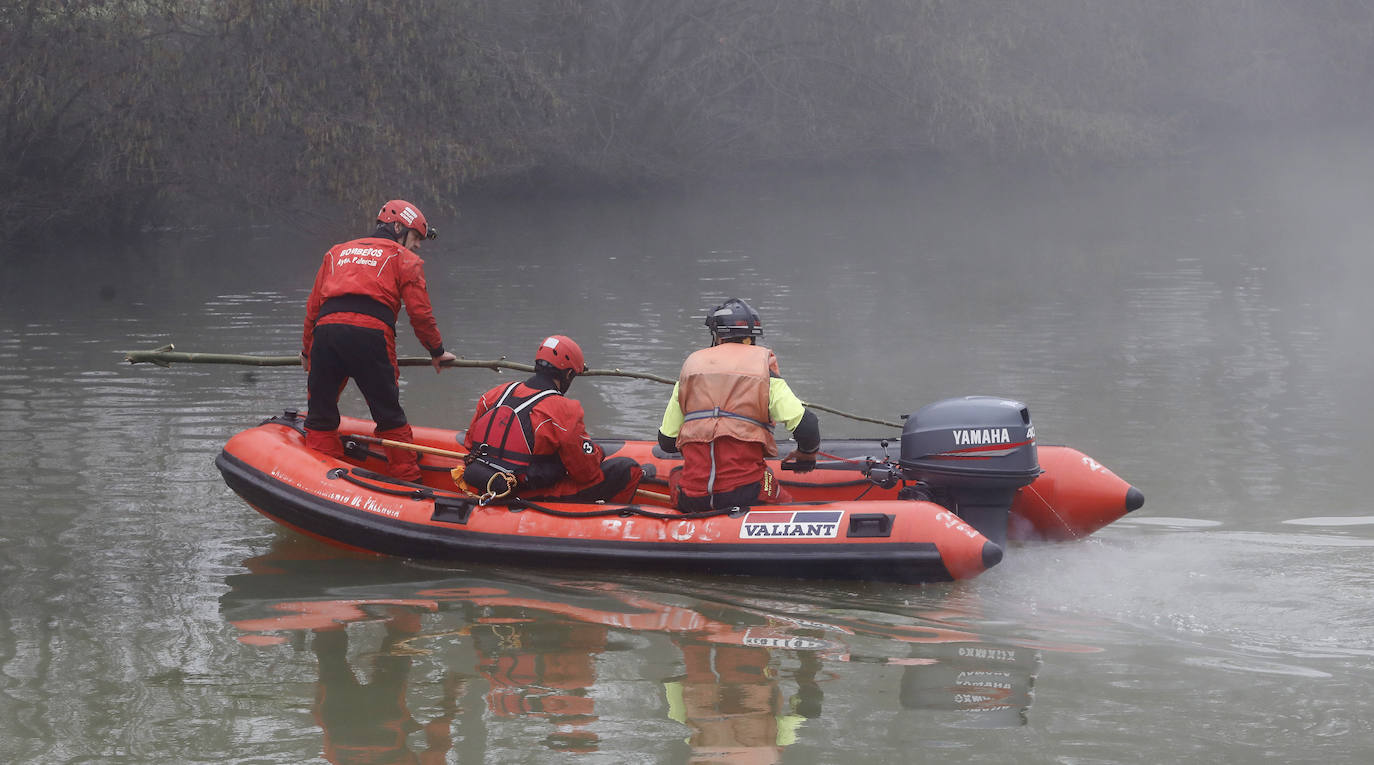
[(167, 355), (459, 455)]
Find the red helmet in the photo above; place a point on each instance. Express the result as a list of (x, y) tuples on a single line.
[(560, 352), (409, 215)]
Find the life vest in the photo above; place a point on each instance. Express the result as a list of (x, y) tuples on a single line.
[(724, 392), (506, 440)]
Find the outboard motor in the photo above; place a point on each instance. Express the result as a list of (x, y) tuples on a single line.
[(971, 454)]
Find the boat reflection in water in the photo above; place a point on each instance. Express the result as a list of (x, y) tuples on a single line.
[(544, 673), (991, 683), (369, 722), (494, 660)]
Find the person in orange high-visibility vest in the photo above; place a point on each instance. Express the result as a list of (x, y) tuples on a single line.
[(721, 417), (350, 331)]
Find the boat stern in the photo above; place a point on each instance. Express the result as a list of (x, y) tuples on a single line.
[(1074, 497)]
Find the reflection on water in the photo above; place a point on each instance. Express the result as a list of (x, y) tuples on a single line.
[(544, 673), (369, 722), (740, 676)]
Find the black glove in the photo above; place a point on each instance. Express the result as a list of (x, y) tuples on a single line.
[(799, 461)]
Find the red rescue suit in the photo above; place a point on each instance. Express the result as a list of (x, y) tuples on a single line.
[(350, 333), (563, 462), (363, 283)]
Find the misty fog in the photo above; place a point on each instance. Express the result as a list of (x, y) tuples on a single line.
[(172, 113)]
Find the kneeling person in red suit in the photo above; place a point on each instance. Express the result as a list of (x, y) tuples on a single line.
[(531, 430)]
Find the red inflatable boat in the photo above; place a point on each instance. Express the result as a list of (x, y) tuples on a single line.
[(969, 478)]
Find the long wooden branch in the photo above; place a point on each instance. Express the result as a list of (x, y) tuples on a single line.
[(168, 355)]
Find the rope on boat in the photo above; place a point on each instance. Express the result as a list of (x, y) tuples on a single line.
[(625, 510), (420, 491), (491, 495), (411, 490)]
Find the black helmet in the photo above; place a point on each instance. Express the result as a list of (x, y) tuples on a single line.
[(734, 319)]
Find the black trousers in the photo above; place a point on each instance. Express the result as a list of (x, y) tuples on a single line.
[(616, 474), (341, 352), (742, 496)]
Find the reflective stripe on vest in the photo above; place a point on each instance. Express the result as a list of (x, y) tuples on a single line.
[(702, 414)]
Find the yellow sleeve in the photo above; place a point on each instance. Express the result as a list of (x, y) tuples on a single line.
[(783, 404), (672, 417)]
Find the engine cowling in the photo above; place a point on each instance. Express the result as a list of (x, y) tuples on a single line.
[(972, 454)]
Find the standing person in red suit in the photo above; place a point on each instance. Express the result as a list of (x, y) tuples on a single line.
[(350, 331), (532, 431), (721, 417)]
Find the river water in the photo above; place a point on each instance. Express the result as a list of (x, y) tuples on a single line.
[(1201, 328)]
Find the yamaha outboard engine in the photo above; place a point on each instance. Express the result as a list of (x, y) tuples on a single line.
[(971, 454)]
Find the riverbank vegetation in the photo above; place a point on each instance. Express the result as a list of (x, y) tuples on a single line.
[(120, 114)]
